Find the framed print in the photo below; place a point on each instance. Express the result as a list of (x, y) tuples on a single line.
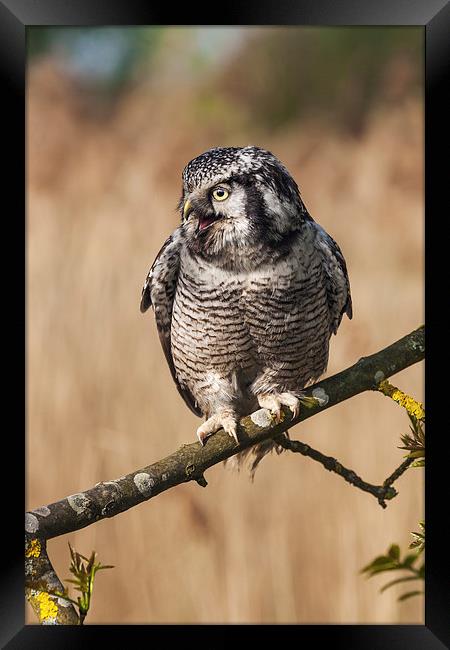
[(225, 221)]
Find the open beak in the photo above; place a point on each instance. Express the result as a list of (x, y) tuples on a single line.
[(204, 220)]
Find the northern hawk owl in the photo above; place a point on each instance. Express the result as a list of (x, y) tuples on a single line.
[(246, 291)]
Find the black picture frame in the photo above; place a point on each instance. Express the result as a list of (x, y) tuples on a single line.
[(434, 16)]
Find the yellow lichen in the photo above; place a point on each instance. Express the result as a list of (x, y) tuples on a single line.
[(410, 404), (34, 548), (413, 407), (47, 606)]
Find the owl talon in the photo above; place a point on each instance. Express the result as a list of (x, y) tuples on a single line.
[(277, 415), (214, 423), (292, 402), (233, 433), (295, 410), (274, 401)]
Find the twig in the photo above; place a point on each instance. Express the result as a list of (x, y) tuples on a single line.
[(401, 469), (381, 492)]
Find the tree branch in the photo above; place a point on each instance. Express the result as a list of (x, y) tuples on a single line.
[(381, 492), (40, 581), (109, 498)]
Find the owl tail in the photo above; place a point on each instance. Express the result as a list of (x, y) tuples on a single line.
[(251, 457)]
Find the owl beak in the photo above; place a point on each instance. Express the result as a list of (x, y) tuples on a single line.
[(187, 208), (204, 220)]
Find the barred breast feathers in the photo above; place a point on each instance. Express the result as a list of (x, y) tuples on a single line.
[(159, 291)]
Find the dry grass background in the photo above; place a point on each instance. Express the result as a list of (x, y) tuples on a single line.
[(101, 402)]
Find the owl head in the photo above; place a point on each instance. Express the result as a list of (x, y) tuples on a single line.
[(234, 197)]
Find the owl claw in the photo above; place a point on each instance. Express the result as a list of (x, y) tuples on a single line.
[(218, 421), (233, 433), (274, 402), (201, 436), (277, 415)]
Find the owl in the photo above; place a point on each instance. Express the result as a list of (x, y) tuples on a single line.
[(246, 292)]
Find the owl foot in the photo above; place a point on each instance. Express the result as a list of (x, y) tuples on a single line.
[(274, 402), (225, 421)]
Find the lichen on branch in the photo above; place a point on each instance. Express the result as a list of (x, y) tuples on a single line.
[(413, 407)]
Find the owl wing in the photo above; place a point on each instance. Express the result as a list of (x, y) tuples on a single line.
[(159, 292), (336, 278)]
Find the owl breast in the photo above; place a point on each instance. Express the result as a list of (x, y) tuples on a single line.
[(259, 330), (209, 332)]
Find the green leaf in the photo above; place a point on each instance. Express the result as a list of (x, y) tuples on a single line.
[(417, 454), (91, 562), (106, 566), (394, 552), (381, 559), (409, 560), (413, 420), (410, 594), (397, 581), (84, 569), (381, 569), (418, 463), (419, 539)]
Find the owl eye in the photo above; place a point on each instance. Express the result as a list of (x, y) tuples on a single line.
[(220, 194)]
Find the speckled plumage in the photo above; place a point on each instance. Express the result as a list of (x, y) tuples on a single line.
[(246, 292)]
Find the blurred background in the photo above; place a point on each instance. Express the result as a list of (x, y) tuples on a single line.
[(113, 116)]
